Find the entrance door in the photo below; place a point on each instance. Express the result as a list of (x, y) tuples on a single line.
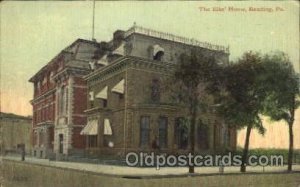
[(61, 143)]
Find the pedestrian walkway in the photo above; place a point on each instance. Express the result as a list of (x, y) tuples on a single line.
[(150, 171)]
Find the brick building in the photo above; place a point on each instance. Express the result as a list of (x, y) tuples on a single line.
[(128, 108), (59, 101)]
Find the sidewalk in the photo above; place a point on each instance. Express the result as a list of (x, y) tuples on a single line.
[(137, 171)]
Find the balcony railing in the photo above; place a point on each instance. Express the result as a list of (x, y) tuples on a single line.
[(172, 37)]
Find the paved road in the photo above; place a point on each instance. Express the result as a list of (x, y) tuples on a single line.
[(134, 171)]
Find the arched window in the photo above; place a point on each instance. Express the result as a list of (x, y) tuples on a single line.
[(158, 56), (158, 52)]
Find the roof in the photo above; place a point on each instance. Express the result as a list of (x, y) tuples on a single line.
[(14, 116), (65, 50), (174, 38), (143, 31)]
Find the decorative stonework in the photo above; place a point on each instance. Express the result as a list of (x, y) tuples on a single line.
[(127, 62), (71, 99)]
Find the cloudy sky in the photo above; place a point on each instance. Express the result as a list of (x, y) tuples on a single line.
[(32, 33)]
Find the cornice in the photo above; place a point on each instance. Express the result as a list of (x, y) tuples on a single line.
[(43, 96), (126, 63)]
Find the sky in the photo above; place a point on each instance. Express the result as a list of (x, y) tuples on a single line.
[(32, 33)]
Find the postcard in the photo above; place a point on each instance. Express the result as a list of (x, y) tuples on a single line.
[(150, 93)]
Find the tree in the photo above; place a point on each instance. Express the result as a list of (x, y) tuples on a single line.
[(242, 101), (282, 85), (191, 76)]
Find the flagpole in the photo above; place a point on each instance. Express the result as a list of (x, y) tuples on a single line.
[(93, 29)]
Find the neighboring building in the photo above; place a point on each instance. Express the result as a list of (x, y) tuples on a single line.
[(128, 108), (15, 130), (59, 101)]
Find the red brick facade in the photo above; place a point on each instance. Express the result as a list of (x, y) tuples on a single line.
[(59, 101)]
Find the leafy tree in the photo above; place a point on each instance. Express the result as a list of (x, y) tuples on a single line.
[(242, 101), (191, 78), (282, 85)]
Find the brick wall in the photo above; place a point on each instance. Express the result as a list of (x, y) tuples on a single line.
[(139, 82), (142, 48)]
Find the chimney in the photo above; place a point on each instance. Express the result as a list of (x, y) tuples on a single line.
[(118, 37)]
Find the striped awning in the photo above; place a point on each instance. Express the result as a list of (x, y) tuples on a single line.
[(120, 50), (119, 88), (107, 127), (103, 93), (91, 128)]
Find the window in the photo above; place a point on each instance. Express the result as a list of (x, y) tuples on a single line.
[(66, 102), (158, 52), (35, 88), (38, 86), (104, 103), (202, 133), (108, 141), (44, 80), (42, 113), (51, 77), (155, 91), (92, 104), (34, 117), (216, 135), (228, 140), (92, 140), (163, 132), (158, 56), (61, 143), (63, 100), (121, 96), (144, 131), (181, 133)]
